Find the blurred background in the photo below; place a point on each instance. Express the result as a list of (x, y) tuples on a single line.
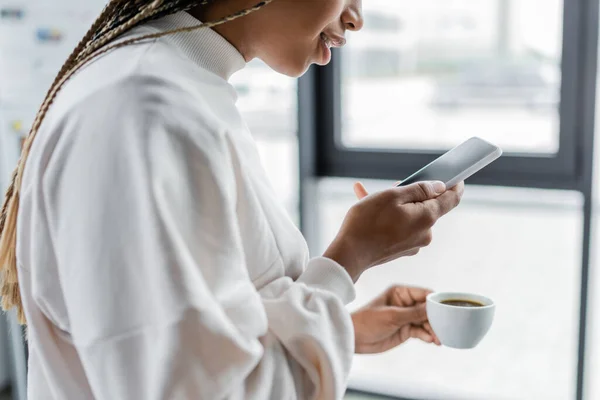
[(420, 78)]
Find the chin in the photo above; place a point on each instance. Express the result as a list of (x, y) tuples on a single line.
[(291, 69)]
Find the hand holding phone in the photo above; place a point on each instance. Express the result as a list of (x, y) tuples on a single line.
[(457, 164), (390, 224)]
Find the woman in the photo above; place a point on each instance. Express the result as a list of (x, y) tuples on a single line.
[(150, 258)]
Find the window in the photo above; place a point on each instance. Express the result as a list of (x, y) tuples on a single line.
[(378, 20), (495, 68), (495, 243), (268, 103), (520, 73), (457, 69)]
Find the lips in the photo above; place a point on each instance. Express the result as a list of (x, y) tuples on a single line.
[(331, 40), (327, 41), (325, 45)]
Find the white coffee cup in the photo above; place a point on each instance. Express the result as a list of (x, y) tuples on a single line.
[(460, 327)]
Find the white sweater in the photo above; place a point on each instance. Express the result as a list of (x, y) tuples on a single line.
[(154, 260)]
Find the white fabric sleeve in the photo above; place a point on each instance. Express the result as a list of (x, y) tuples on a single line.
[(142, 208)]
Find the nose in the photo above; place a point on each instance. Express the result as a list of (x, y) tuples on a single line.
[(352, 18)]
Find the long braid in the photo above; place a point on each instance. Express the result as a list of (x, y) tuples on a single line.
[(155, 10), (168, 7), (118, 17)]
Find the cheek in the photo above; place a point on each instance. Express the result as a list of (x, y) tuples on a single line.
[(329, 8), (298, 25), (325, 12), (315, 15), (296, 21)]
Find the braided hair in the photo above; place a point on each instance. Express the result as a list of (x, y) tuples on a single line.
[(117, 17)]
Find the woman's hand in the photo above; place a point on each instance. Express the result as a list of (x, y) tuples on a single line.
[(392, 318), (393, 223)]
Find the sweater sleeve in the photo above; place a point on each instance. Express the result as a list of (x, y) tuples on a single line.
[(142, 213)]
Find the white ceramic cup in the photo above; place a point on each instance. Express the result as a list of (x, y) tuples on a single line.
[(460, 327)]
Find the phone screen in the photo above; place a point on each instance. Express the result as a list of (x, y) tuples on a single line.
[(457, 164)]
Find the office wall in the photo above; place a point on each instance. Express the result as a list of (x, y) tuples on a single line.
[(520, 247)]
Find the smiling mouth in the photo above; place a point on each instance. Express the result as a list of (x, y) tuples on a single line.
[(329, 42), (326, 40)]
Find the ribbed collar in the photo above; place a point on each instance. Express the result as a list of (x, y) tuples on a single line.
[(204, 47)]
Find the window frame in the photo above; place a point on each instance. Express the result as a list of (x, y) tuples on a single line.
[(560, 171)]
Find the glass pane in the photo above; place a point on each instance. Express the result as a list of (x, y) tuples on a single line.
[(429, 74), (522, 248), (268, 101), (592, 382)]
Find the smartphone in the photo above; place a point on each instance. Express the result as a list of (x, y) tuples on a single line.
[(457, 164)]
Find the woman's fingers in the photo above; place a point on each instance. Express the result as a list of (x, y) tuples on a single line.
[(415, 332), (443, 204), (459, 189), (393, 223), (360, 191), (429, 329), (415, 315)]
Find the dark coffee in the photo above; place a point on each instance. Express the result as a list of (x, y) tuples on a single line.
[(462, 303)]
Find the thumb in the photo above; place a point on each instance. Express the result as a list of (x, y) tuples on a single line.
[(360, 191), (421, 191)]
